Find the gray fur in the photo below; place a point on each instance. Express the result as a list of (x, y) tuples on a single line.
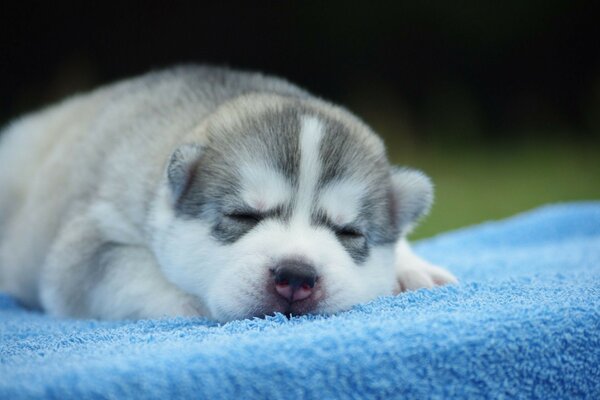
[(181, 168), (137, 122), (356, 244), (412, 196), (78, 211), (273, 137), (341, 151)]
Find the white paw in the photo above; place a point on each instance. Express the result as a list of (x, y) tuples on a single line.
[(422, 275)]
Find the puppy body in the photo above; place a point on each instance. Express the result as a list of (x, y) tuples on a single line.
[(188, 191)]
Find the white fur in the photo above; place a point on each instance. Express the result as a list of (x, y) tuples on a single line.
[(341, 201), (112, 298), (89, 175), (233, 277), (311, 133), (114, 224), (414, 273), (264, 188), (232, 281)]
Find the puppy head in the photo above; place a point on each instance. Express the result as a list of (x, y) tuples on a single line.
[(289, 207)]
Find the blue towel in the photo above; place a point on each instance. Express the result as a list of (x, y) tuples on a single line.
[(523, 323)]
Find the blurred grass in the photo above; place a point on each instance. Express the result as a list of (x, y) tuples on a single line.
[(478, 183)]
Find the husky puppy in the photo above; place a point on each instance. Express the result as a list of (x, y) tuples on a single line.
[(204, 191)]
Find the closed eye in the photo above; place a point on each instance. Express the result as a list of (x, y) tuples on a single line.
[(245, 217), (349, 232)]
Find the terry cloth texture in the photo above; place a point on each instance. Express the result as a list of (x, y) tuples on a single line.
[(523, 323)]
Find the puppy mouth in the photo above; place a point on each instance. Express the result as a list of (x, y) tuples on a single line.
[(273, 303), (301, 307), (289, 310)]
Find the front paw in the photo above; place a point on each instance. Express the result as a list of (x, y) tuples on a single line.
[(422, 275)]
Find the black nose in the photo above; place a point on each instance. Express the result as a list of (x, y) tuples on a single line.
[(294, 280), (296, 274)]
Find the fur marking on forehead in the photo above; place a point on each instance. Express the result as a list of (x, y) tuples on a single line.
[(263, 187), (341, 200), (311, 133)]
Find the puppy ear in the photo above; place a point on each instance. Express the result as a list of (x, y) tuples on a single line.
[(412, 196), (182, 167)]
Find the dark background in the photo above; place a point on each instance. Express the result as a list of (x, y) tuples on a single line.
[(475, 92)]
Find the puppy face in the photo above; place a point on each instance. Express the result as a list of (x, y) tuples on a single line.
[(290, 209)]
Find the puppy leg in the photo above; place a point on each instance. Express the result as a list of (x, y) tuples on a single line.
[(414, 273), (87, 276)]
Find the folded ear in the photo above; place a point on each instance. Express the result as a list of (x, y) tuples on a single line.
[(412, 196), (182, 167)]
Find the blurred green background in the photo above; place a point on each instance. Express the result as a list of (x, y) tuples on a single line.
[(498, 101), (479, 183)]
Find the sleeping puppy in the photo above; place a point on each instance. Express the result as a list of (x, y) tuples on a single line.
[(204, 191)]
